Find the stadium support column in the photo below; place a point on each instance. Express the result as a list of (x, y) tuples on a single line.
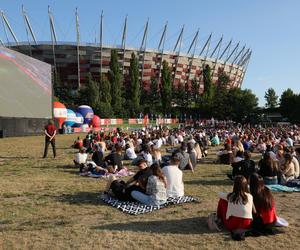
[(161, 47), (242, 57), (235, 59), (178, 43), (4, 28), (217, 48), (28, 25), (143, 50), (193, 45), (9, 27), (205, 47), (246, 62), (78, 47), (53, 39), (223, 53), (101, 44), (124, 44), (232, 52), (1, 42)]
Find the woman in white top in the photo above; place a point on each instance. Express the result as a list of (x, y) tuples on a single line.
[(81, 156), (235, 209)]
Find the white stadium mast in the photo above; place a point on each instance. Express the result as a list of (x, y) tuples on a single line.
[(5, 21)]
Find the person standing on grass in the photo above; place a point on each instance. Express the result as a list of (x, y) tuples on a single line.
[(50, 132)]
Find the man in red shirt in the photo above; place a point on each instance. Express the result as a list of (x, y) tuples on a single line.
[(50, 132)]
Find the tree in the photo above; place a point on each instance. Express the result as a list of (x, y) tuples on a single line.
[(223, 79), (206, 100), (271, 98), (62, 93), (286, 102), (104, 108), (154, 98), (179, 95), (92, 87), (166, 87), (195, 91), (207, 80), (290, 105), (243, 102), (115, 80), (133, 92)]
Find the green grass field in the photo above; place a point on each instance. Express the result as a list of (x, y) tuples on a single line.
[(44, 204)]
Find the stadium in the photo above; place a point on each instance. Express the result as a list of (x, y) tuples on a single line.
[(73, 61)]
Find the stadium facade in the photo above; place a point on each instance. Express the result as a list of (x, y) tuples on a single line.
[(74, 61)]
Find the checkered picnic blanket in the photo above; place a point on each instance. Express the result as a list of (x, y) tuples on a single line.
[(136, 208)]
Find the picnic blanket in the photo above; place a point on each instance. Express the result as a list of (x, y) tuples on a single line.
[(281, 188), (136, 208), (122, 173)]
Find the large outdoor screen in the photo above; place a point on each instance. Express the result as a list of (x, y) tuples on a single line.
[(25, 86)]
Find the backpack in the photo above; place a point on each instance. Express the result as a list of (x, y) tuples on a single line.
[(212, 222)]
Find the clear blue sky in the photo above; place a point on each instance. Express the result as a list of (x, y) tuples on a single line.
[(271, 28)]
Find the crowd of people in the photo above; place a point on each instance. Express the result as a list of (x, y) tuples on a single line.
[(160, 175)]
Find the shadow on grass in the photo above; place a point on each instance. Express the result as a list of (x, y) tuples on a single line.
[(68, 166), (70, 169), (14, 157), (210, 182), (195, 225), (80, 198)]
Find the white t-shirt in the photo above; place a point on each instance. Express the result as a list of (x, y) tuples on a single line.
[(239, 210), (80, 158), (180, 138), (175, 187), (130, 153)]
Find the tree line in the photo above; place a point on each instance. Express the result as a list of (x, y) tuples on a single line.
[(288, 104), (116, 96)]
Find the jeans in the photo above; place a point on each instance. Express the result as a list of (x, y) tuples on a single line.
[(270, 181), (146, 199)]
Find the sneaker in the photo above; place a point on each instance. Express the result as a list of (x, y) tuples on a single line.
[(238, 236)]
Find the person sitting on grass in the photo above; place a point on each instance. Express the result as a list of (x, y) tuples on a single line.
[(97, 156), (129, 152), (122, 190), (198, 151), (115, 158), (239, 156), (192, 153), (225, 156), (215, 141), (185, 162), (268, 169), (80, 158), (175, 186), (263, 200), (235, 209), (146, 154), (287, 169), (90, 168), (247, 166), (297, 151), (78, 143), (156, 193)]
